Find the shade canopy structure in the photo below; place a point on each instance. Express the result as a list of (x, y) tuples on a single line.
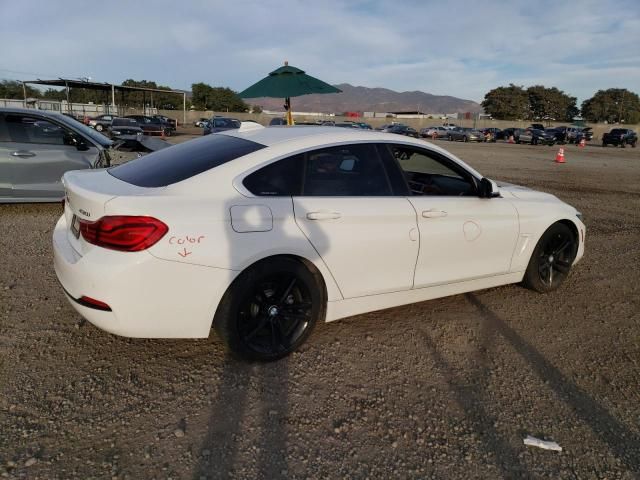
[(286, 82)]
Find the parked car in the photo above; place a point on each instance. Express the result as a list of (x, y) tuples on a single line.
[(573, 134), (511, 132), (400, 129), (465, 135), (124, 127), (557, 134), (101, 122), (260, 235), (363, 125), (492, 133), (151, 125), (220, 124), (201, 122), (37, 147), (620, 137), (428, 132), (170, 123), (535, 136)]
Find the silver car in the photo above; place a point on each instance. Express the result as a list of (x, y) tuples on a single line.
[(38, 147)]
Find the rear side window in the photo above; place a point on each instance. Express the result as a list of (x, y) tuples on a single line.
[(281, 178), (349, 170), (177, 163)]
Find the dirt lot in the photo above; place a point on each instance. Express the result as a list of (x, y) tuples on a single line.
[(442, 389)]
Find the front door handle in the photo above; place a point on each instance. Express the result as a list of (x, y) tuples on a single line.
[(22, 154), (433, 213), (323, 215)]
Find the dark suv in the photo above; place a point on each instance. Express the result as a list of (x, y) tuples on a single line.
[(620, 136)]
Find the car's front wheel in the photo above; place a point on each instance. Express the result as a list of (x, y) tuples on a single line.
[(552, 258), (99, 127), (271, 309)]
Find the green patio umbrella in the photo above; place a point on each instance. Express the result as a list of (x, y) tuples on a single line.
[(286, 82)]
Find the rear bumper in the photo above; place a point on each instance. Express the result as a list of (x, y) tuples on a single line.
[(148, 297)]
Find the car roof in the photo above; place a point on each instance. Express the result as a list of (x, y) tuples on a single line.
[(273, 135)]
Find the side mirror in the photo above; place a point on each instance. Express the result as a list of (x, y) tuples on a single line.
[(80, 144), (487, 188)]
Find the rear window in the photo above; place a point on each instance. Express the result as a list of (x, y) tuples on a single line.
[(177, 163)]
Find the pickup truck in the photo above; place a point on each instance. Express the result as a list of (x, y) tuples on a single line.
[(620, 136)]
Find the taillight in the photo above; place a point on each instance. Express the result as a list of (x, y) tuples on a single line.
[(123, 233)]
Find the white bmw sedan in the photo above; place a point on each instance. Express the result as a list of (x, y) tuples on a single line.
[(262, 233)]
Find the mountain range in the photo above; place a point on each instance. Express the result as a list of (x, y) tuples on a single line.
[(364, 99)]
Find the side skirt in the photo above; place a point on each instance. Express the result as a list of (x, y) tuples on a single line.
[(355, 306)]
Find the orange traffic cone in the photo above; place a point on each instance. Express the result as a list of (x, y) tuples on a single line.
[(560, 156), (582, 143)]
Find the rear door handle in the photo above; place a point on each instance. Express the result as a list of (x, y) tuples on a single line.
[(433, 213), (22, 154), (323, 215)]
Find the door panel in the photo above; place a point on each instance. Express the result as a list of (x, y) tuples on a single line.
[(463, 238), (39, 174), (366, 242)]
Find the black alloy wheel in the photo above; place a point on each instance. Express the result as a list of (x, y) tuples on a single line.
[(552, 259), (270, 310)]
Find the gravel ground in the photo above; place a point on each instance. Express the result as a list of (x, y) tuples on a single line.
[(441, 389)]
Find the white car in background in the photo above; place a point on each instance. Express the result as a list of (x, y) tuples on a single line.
[(261, 234)]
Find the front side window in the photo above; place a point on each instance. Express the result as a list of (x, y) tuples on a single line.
[(428, 174), (26, 129)]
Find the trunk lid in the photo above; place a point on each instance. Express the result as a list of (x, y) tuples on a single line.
[(86, 195)]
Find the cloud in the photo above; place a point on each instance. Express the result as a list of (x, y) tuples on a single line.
[(454, 48)]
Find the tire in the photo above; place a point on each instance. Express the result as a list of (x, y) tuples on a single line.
[(465, 139), (450, 138), (534, 141), (633, 145), (99, 127), (551, 260), (604, 144), (270, 309)]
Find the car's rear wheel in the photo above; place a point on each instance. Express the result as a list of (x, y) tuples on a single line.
[(271, 309), (99, 127), (552, 258)]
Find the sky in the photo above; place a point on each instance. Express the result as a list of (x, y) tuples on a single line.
[(462, 49)]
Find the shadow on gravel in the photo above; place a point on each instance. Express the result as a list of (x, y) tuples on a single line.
[(624, 443), (232, 415), (469, 396)]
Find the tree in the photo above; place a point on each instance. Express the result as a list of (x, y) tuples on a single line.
[(615, 105), (507, 103), (551, 104), (219, 99), (256, 109), (13, 89)]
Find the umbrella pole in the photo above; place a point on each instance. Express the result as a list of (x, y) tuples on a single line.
[(287, 102)]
